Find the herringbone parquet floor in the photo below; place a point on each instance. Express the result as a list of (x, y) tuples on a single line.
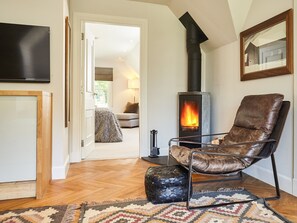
[(124, 179)]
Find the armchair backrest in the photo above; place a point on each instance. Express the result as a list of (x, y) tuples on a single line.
[(255, 121), (277, 131)]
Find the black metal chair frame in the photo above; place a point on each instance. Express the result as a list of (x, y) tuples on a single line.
[(270, 146)]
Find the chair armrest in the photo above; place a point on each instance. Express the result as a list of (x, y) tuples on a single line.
[(235, 155), (184, 138)]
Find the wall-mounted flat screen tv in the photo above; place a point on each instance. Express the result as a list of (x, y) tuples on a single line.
[(24, 53)]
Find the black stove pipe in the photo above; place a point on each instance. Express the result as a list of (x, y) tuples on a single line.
[(194, 59), (195, 37)]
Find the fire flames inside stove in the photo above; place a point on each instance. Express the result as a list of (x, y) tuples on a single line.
[(189, 116)]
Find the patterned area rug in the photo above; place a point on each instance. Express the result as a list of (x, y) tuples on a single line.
[(61, 214), (140, 211)]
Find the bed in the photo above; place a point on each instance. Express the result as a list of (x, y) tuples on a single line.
[(107, 127)]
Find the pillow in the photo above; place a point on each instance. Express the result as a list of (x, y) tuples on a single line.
[(131, 108)]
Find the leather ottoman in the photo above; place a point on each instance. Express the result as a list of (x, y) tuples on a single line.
[(164, 184)]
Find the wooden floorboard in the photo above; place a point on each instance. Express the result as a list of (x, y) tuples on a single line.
[(110, 180)]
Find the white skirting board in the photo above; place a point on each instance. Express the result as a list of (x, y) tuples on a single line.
[(295, 187), (60, 172), (164, 151), (266, 175)]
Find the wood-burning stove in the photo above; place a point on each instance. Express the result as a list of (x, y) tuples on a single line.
[(194, 114)]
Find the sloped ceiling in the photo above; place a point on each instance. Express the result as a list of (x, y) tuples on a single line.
[(220, 20), (112, 42), (162, 2), (239, 11)]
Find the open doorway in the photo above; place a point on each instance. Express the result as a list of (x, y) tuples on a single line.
[(116, 66)]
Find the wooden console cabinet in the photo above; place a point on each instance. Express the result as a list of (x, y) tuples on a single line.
[(34, 184)]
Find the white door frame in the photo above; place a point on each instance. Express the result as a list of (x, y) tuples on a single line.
[(78, 74)]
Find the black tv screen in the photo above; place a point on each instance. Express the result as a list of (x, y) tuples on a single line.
[(24, 53)]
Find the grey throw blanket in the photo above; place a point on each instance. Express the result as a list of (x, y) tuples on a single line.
[(107, 127)]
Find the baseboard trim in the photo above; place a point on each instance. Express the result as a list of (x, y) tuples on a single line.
[(164, 151), (266, 176), (295, 187), (60, 172), (75, 157)]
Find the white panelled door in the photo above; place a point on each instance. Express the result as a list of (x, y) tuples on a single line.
[(88, 119)]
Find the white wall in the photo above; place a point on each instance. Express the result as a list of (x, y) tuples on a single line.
[(45, 13), (121, 94), (133, 58), (124, 69), (223, 81), (166, 60)]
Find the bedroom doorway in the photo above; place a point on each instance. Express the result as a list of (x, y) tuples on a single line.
[(116, 65)]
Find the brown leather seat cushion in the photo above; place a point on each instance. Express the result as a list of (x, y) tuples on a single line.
[(205, 163), (255, 120)]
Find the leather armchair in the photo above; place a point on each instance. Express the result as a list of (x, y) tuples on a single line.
[(254, 136)]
